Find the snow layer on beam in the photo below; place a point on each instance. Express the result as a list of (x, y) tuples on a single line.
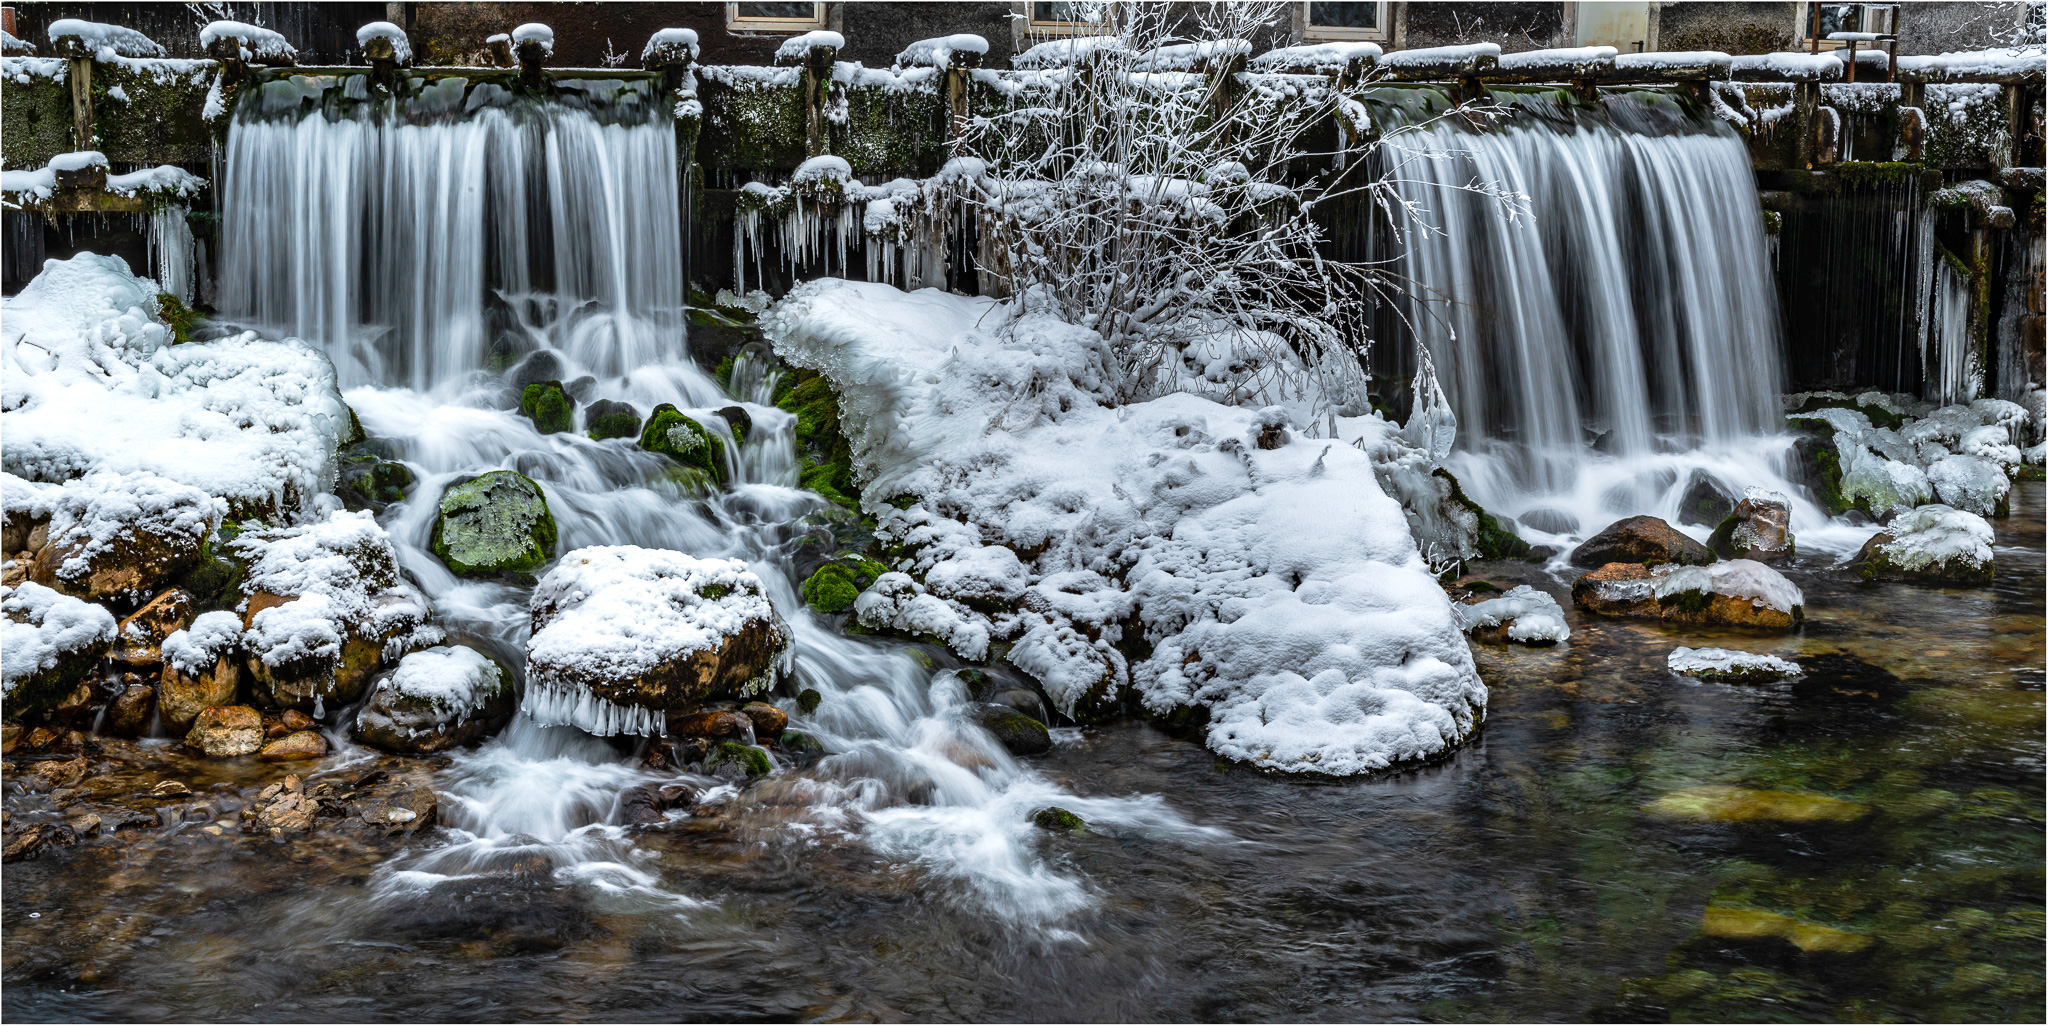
[(796, 47), (1795, 67), (108, 39), (1280, 588), (1316, 56), (938, 52), (257, 43)]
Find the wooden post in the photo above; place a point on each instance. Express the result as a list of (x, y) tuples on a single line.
[(960, 67), (81, 101), (817, 85)]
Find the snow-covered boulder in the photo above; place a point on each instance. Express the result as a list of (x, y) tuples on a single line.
[(437, 698), (202, 668), (1735, 591), (625, 637), (494, 523), (48, 643), (117, 538), (326, 610), (1760, 528), (1971, 483), (1521, 614), (1730, 665), (94, 398), (1279, 592), (1932, 544), (1883, 487), (988, 576), (142, 633)]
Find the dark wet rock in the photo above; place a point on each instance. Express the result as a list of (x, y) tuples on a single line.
[(609, 419), (140, 637), (768, 720), (406, 811), (1706, 501), (1759, 528), (494, 523), (739, 420), (287, 811), (802, 748), (544, 365), (1016, 732), (437, 699), (549, 406), (129, 712), (35, 838), (687, 442), (49, 775), (225, 731), (581, 389), (303, 744), (1737, 592), (732, 759), (1930, 545), (641, 805), (1550, 521), (1022, 700), (807, 701), (1640, 540), (1058, 820)]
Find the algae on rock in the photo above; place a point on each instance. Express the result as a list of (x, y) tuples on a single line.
[(496, 523)]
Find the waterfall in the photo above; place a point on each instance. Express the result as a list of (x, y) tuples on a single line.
[(1622, 295), (429, 236)]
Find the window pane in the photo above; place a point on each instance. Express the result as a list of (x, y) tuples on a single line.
[(800, 11), (1840, 18), (1067, 10), (1344, 15)]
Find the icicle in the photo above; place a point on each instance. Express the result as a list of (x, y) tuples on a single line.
[(553, 705)]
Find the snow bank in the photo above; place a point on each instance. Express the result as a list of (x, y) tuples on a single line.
[(1061, 53), (1728, 664), (401, 46), (89, 383), (110, 40), (256, 43), (1532, 617), (1278, 589), (1561, 57), (41, 628)]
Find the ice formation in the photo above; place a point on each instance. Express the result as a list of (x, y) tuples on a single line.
[(1729, 664), (1532, 617)]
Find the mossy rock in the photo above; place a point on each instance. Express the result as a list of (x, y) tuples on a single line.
[(802, 748), (1018, 733), (1495, 541), (608, 419), (807, 701), (835, 585), (753, 760), (496, 523), (679, 438), (1820, 463), (827, 458), (1060, 821), (741, 422), (548, 405)]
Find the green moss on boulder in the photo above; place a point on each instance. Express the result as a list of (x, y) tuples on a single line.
[(835, 585), (608, 419), (748, 758), (1018, 733), (1058, 820), (827, 458), (1495, 541), (548, 405), (496, 523), (679, 438)]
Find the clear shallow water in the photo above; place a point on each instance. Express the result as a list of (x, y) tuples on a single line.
[(1520, 879)]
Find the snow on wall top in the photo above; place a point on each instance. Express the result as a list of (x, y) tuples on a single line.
[(257, 43), (1429, 56), (1059, 53), (1570, 56), (796, 47), (105, 39), (1190, 56), (1676, 60), (401, 46), (1319, 56), (1797, 67), (665, 39), (938, 52)]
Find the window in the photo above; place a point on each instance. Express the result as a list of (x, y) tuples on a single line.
[(1345, 19), (1847, 18), (1069, 17), (774, 17)]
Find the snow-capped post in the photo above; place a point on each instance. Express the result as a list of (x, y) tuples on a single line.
[(534, 43), (81, 43), (234, 46), (499, 46), (960, 65), (387, 49), (671, 52), (816, 53), (81, 172)]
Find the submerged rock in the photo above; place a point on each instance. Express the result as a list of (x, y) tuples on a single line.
[(1760, 528), (1717, 803), (1016, 732), (494, 523), (549, 406), (1522, 614), (225, 731), (437, 698), (1550, 521), (1058, 820), (608, 419), (679, 438), (1932, 544), (1750, 924), (1738, 591), (1730, 665), (1640, 540), (730, 758), (625, 636), (1706, 502), (49, 642)]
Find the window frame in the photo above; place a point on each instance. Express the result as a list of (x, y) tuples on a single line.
[(1312, 33), (1036, 29), (734, 22), (1826, 44)]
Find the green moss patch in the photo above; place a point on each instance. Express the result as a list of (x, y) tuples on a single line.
[(548, 406), (679, 438), (496, 523)]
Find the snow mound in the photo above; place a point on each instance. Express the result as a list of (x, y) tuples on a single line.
[(1278, 589), (1728, 664), (104, 39), (1532, 617), (89, 383), (1316, 56), (339, 579), (452, 679), (1969, 483), (401, 46), (196, 649), (938, 52), (669, 40), (41, 628), (1764, 587), (1934, 535), (256, 43), (798, 47)]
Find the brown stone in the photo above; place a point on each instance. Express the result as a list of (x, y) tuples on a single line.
[(1629, 590), (180, 698), (1640, 540), (289, 812), (309, 683), (140, 639), (136, 563), (295, 720), (29, 840), (49, 776), (305, 744), (711, 724), (225, 731), (42, 737), (1759, 529), (128, 714), (404, 812), (768, 720), (10, 738)]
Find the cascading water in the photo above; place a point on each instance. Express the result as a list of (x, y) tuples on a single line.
[(1601, 313), (431, 242)]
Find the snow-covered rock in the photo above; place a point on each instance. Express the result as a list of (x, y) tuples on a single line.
[(1520, 614), (1735, 591), (624, 637), (1759, 528), (1970, 483), (1279, 591), (437, 698), (1932, 544), (326, 610), (202, 668), (377, 35), (115, 537), (48, 643), (1729, 664)]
